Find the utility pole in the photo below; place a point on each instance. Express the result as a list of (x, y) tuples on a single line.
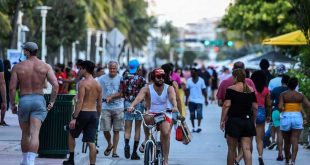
[(43, 10)]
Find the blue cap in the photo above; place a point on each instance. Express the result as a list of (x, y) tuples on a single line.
[(133, 66)]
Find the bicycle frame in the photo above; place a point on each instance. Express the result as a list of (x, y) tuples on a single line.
[(154, 140)]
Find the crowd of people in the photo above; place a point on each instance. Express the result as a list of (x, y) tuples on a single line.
[(107, 96), (248, 103)]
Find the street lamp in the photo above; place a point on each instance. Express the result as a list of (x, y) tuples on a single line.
[(43, 10)]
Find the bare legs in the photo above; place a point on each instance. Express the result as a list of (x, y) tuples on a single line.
[(246, 149), (291, 139), (165, 131), (279, 141), (260, 131), (30, 135), (107, 136), (232, 144)]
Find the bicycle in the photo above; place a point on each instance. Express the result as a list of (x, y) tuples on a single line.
[(153, 153)]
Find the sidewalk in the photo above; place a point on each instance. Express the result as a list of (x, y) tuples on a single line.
[(10, 151), (207, 147)]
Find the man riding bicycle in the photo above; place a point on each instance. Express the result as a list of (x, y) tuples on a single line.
[(158, 96)]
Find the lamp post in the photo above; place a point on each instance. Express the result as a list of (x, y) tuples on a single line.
[(43, 10)]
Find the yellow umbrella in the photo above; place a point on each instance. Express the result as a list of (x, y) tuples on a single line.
[(292, 38)]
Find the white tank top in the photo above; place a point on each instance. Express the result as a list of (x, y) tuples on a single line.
[(158, 103)]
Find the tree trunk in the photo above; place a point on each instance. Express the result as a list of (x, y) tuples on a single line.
[(14, 24)]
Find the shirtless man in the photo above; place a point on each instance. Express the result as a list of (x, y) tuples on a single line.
[(87, 111), (29, 76), (157, 96)]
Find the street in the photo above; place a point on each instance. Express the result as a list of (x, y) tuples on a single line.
[(207, 147)]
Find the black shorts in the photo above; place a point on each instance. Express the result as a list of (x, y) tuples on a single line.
[(238, 127), (88, 123)]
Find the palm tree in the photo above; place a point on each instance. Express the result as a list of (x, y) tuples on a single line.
[(134, 23), (99, 14)]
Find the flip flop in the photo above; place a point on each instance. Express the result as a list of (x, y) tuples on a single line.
[(108, 151), (141, 148), (115, 156)]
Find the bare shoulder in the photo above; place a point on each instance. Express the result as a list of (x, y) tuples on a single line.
[(82, 83), (145, 89), (231, 87), (97, 85), (15, 67), (48, 66), (251, 89)]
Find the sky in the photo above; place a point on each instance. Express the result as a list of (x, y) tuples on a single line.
[(181, 12)]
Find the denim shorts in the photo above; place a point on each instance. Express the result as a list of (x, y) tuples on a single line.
[(291, 120), (32, 105), (193, 107), (261, 115), (129, 116)]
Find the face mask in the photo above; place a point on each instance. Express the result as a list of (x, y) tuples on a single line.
[(22, 57)]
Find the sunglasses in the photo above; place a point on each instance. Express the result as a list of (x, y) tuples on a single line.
[(161, 76)]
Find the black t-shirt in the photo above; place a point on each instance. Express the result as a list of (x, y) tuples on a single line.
[(241, 103), (1, 66), (205, 76)]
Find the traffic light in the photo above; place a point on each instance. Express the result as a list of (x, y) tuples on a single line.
[(216, 49), (230, 43), (206, 43)]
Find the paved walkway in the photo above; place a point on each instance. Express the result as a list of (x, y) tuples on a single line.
[(207, 148)]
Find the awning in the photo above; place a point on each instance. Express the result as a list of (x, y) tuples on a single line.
[(274, 56), (292, 38)]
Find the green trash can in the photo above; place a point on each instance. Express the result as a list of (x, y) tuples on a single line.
[(53, 137)]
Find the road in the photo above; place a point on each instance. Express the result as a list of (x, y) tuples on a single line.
[(207, 147)]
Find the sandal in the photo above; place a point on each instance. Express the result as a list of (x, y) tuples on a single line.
[(4, 124), (108, 151), (115, 156), (141, 148)]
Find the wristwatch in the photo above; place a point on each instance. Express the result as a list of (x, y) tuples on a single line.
[(73, 117)]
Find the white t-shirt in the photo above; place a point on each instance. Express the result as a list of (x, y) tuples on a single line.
[(196, 95)]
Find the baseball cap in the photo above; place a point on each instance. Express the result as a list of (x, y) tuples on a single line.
[(280, 69), (31, 46), (133, 66), (158, 71)]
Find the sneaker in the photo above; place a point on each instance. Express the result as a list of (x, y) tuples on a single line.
[(272, 145), (236, 163), (127, 151), (198, 130), (193, 130), (261, 162), (135, 156), (280, 158), (68, 162)]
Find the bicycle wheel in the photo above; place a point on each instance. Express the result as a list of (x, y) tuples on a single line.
[(159, 155), (149, 155)]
